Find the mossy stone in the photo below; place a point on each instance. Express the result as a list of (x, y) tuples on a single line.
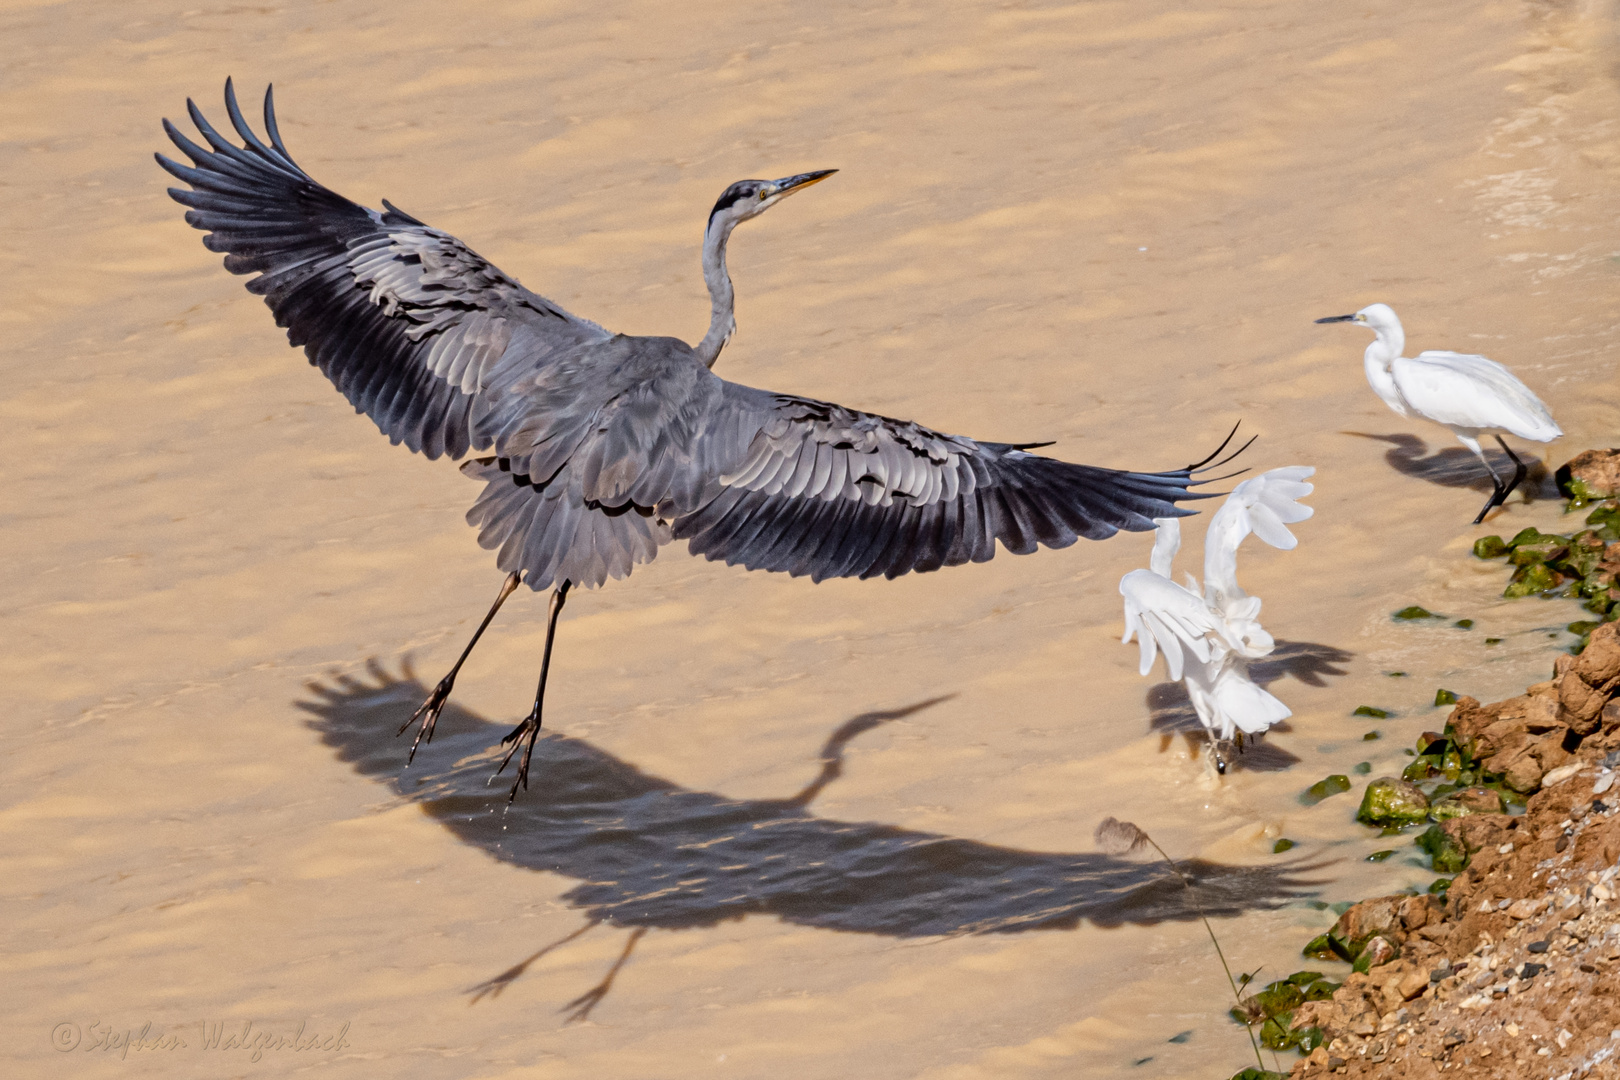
[(1447, 855), (1606, 520), (1543, 552), (1372, 711), (1529, 580), (1388, 801), (1490, 547), (1328, 786), (1281, 846), (1445, 697), (1470, 800), (1415, 612)]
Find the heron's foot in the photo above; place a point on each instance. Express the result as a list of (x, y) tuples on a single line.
[(428, 713), (525, 733)]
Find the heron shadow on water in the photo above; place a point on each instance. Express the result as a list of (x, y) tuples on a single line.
[(1172, 713), (1456, 467), (649, 854)]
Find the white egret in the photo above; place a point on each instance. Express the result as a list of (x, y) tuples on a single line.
[(1209, 636), (1469, 394)]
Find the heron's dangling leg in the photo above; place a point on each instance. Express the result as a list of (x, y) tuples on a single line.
[(1498, 492), (528, 731), (428, 711)]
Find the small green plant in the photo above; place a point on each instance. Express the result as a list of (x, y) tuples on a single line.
[(1118, 837)]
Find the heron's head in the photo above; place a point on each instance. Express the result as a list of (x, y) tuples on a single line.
[(1375, 317), (750, 198)]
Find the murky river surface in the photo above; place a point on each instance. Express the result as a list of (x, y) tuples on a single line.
[(1107, 224)]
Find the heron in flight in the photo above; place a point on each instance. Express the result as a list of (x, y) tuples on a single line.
[(1208, 636), (605, 447), (1467, 393)]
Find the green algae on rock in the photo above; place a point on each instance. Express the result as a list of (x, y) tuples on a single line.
[(1337, 784), (1281, 846), (1446, 851), (1469, 800), (1582, 565), (1388, 801), (1406, 614), (1590, 476), (1372, 711), (1445, 697)]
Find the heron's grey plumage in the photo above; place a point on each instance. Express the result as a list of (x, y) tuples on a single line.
[(607, 446), (603, 447)]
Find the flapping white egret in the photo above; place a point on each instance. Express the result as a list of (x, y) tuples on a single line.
[(1209, 636)]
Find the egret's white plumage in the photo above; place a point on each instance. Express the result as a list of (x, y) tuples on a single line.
[(1469, 394), (1209, 636)]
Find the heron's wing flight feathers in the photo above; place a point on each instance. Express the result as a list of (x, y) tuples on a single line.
[(1466, 391), (779, 482), (406, 321), (827, 491)]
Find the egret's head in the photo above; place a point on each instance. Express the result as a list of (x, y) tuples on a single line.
[(750, 198), (1375, 317)]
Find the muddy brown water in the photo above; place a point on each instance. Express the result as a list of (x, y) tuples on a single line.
[(848, 825)]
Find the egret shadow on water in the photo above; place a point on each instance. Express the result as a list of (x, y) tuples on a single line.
[(647, 853), (1172, 713), (1457, 467)]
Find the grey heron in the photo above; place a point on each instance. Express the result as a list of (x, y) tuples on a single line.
[(1209, 635), (1467, 393), (605, 447)]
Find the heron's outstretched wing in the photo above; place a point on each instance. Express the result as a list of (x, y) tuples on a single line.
[(407, 321), (771, 481), (831, 492)]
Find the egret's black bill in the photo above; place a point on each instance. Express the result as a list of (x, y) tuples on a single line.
[(1338, 318)]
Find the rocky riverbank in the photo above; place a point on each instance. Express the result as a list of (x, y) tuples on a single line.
[(1512, 970)]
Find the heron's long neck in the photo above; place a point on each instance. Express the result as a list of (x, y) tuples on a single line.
[(722, 323)]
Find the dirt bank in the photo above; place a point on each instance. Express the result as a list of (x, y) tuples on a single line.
[(1511, 971)]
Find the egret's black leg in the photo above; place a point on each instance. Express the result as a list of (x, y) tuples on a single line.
[(1519, 469), (428, 711), (528, 731), (1498, 492)]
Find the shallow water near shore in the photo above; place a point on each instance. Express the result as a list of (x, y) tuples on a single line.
[(847, 826)]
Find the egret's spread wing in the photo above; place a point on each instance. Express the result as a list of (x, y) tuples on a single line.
[(1467, 391), (407, 321), (1158, 612), (1264, 505)]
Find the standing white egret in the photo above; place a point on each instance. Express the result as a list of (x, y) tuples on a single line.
[(1209, 636), (1467, 393)]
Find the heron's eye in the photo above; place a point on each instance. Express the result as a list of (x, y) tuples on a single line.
[(765, 192)]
